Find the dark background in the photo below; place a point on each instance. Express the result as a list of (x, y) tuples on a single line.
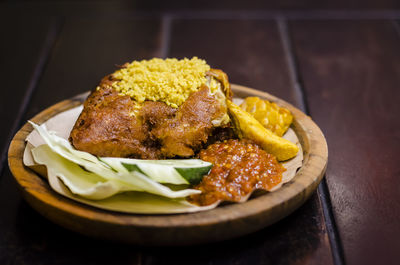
[(338, 61)]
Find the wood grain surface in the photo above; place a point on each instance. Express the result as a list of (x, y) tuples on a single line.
[(87, 50), (263, 43), (15, 81), (258, 61), (302, 238), (352, 88), (269, 5), (344, 67)]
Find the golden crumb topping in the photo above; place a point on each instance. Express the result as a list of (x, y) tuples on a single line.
[(170, 80)]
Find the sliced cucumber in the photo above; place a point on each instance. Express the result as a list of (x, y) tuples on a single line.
[(174, 171), (193, 175), (131, 167)]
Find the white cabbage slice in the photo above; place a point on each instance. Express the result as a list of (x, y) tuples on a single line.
[(78, 180), (122, 179)]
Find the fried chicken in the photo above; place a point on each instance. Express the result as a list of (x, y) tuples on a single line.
[(106, 127), (189, 129), (115, 125)]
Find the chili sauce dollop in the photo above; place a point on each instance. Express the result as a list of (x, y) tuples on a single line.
[(239, 167)]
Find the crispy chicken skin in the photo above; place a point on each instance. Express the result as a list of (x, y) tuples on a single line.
[(106, 127), (113, 125), (188, 130)]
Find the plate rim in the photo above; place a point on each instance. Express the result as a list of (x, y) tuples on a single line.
[(258, 212)]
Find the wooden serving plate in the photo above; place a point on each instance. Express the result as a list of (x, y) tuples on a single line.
[(223, 222)]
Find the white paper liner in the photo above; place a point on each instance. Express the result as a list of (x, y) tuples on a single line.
[(133, 202)]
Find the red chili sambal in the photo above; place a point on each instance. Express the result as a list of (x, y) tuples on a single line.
[(239, 167)]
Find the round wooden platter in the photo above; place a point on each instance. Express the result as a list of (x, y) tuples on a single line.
[(223, 222)]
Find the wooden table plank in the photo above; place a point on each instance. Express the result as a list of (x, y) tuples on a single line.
[(351, 73), (221, 7), (255, 60), (267, 5), (90, 48), (77, 62), (28, 238), (86, 50), (23, 39), (249, 51), (297, 239), (23, 43)]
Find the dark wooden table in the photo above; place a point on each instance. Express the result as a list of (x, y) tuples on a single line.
[(339, 63)]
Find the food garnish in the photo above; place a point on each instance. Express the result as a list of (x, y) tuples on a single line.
[(270, 115), (246, 126), (170, 80)]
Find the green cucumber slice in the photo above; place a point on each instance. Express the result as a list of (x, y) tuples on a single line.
[(173, 171), (132, 167), (193, 175)]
